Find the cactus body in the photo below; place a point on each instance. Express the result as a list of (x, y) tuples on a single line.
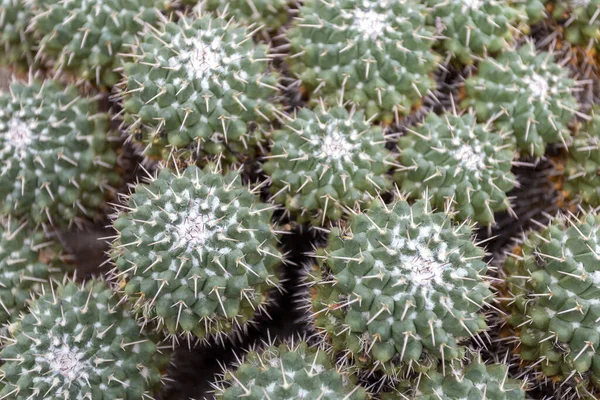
[(268, 14), (16, 44)]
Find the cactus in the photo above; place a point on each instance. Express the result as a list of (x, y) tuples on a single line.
[(294, 371), (89, 37), (582, 25), (583, 164), (16, 44), (529, 12), (476, 27), (375, 54), (55, 156), (27, 261), (526, 93), (77, 343), (402, 287), (260, 14), (554, 279), (475, 381), (455, 158), (196, 251), (327, 160), (200, 83)]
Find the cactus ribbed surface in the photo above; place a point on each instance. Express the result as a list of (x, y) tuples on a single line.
[(16, 43), (404, 285), (268, 14), (56, 158), (196, 251), (583, 26)]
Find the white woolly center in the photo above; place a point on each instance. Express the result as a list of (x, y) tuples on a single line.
[(19, 135), (473, 4), (67, 362), (199, 59), (370, 22), (203, 58), (469, 158), (196, 225), (334, 145), (538, 85), (425, 270)]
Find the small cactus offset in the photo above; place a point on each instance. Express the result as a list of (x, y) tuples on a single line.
[(76, 342), (56, 158), (473, 27), (288, 371), (16, 43), (259, 14), (326, 161), (89, 37), (375, 54), (27, 261), (526, 93), (196, 252), (474, 382), (582, 25), (581, 178), (454, 159), (555, 280), (401, 288), (201, 83)]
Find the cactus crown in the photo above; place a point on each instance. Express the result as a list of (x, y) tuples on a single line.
[(407, 283), (198, 82), (77, 343), (455, 158), (525, 93), (196, 251), (347, 51), (327, 160), (55, 153), (288, 371), (555, 280)]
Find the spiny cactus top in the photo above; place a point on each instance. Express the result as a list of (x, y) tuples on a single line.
[(474, 382), (526, 93), (198, 81), (88, 36), (77, 343), (326, 160), (584, 26), (27, 260), (197, 251), (582, 167), (473, 26), (404, 283), (16, 44), (54, 153), (454, 157), (374, 53), (289, 372), (555, 280), (268, 14)]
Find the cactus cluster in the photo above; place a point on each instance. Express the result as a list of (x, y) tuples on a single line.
[(16, 41), (259, 14), (196, 251), (526, 93), (76, 342), (375, 54), (582, 26), (55, 154), (201, 83), (455, 160), (403, 285), (326, 161)]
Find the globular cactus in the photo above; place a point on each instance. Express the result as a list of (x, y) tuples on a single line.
[(555, 281), (89, 37), (526, 93), (56, 158), (529, 12), (294, 371), (453, 158), (474, 382), (196, 252), (401, 287), (581, 179), (27, 261), (260, 14), (16, 43), (471, 28), (76, 342), (375, 54), (199, 82), (325, 161), (582, 25)]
